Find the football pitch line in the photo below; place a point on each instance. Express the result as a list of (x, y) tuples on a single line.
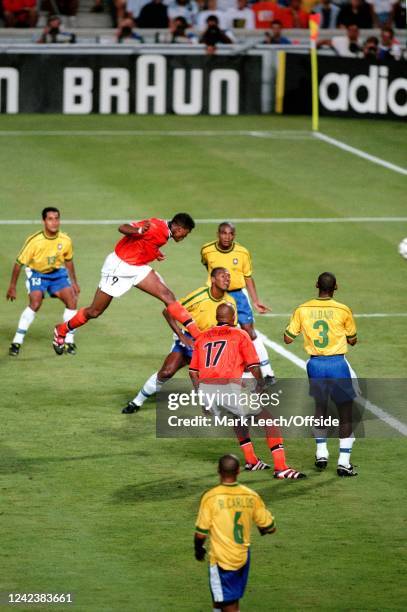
[(232, 220), (372, 158), (362, 401)]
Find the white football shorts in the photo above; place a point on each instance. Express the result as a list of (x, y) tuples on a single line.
[(118, 276)]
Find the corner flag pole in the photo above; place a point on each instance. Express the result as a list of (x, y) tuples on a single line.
[(314, 22)]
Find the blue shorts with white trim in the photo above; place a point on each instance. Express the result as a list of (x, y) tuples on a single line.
[(228, 585), (244, 310), (178, 347), (51, 282), (330, 376)]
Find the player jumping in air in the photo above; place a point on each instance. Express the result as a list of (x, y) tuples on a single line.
[(128, 267), (229, 254), (223, 353), (328, 327), (201, 304), (48, 257)]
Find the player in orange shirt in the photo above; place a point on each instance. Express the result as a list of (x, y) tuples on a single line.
[(128, 267), (222, 354)]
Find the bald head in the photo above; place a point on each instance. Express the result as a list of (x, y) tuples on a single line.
[(225, 313), (228, 466)]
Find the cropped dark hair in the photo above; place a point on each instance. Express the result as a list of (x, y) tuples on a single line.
[(184, 220), (326, 282), (218, 269), (228, 465), (49, 209)]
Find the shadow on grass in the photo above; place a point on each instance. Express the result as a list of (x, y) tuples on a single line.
[(162, 489)]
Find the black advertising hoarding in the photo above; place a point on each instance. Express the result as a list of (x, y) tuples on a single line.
[(129, 83), (348, 87)]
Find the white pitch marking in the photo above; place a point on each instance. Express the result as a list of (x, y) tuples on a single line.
[(372, 158), (233, 220), (276, 134), (365, 403)]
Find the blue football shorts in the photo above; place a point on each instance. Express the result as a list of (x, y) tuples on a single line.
[(178, 347), (228, 585), (50, 282), (244, 310), (330, 376)]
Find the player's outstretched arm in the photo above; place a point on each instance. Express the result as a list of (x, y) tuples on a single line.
[(176, 329), (72, 275), (12, 290), (251, 288), (135, 230)]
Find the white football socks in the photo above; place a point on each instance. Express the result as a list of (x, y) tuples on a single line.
[(262, 354), (27, 317), (68, 314), (345, 449), (151, 386)]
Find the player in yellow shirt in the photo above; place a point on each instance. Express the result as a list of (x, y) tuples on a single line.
[(328, 327), (236, 258), (226, 514), (202, 304), (48, 259)]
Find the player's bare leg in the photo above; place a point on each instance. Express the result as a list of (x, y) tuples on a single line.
[(101, 301), (229, 607), (70, 299), (26, 318), (261, 350), (172, 363), (153, 285)]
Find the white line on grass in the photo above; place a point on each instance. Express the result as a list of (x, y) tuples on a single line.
[(362, 401), (276, 134), (233, 220), (372, 158), (367, 315)]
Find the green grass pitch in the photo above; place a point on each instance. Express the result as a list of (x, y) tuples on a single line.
[(90, 501)]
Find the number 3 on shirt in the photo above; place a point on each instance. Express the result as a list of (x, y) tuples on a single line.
[(323, 333), (214, 351)]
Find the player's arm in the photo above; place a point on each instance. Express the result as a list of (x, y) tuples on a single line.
[(177, 330), (12, 289), (204, 260), (251, 288), (203, 525), (263, 518), (293, 329), (135, 229), (350, 329), (194, 367), (72, 275)]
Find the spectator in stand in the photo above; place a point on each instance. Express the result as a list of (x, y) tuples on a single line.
[(52, 32), (398, 15), (329, 14), (240, 17), (211, 10), (183, 8), (381, 11), (355, 12), (134, 7), (20, 13), (126, 33), (153, 15), (275, 37), (389, 48), (295, 17), (370, 48), (180, 33), (266, 12), (66, 8), (213, 35), (345, 46)]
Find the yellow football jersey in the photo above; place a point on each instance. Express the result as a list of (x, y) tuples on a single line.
[(237, 260), (226, 513), (325, 325), (202, 306), (44, 254)]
